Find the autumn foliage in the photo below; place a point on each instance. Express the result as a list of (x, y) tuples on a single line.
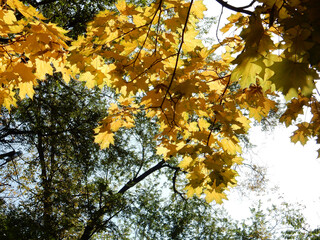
[(202, 98)]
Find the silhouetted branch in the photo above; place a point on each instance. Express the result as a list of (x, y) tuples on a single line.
[(237, 9)]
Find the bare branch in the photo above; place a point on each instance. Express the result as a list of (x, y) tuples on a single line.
[(237, 9), (136, 180)]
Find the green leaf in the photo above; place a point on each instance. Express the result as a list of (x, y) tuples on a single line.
[(290, 77)]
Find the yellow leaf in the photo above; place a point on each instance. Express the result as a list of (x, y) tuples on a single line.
[(129, 47), (203, 124), (191, 191), (139, 20), (193, 127), (8, 17), (185, 163), (213, 195), (247, 70), (26, 88), (27, 11), (163, 151), (125, 9), (43, 68), (104, 139), (190, 40), (294, 108), (245, 123), (25, 72), (88, 78), (198, 9), (121, 5), (226, 27), (173, 23), (234, 17), (255, 113), (115, 125), (129, 122), (230, 146), (237, 160)]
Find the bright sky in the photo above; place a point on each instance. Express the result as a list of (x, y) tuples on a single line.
[(294, 168)]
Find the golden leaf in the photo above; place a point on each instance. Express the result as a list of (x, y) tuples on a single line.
[(162, 151), (26, 88), (104, 139), (230, 145), (198, 9), (43, 68), (203, 124), (115, 125), (216, 196), (185, 163)]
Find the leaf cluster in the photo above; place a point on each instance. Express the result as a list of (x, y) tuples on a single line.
[(151, 57)]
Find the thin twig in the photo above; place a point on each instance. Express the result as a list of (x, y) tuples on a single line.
[(219, 20), (178, 53)]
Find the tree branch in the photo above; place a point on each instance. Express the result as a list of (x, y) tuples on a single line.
[(91, 227), (177, 169), (237, 9), (174, 184), (136, 180), (10, 156)]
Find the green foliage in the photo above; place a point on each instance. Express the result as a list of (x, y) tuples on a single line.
[(72, 15)]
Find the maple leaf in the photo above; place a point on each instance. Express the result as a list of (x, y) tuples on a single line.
[(247, 69), (253, 33), (104, 139), (238, 160), (232, 19), (136, 52), (230, 145), (191, 191), (88, 77), (126, 9), (190, 41), (26, 88), (294, 108), (185, 163), (8, 17), (255, 113), (43, 68), (290, 77), (198, 9), (203, 124), (216, 196), (193, 127), (27, 11), (115, 125), (163, 151), (302, 133)]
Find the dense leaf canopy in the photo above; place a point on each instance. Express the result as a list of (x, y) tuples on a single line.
[(202, 98)]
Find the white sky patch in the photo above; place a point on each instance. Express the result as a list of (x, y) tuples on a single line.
[(292, 167)]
